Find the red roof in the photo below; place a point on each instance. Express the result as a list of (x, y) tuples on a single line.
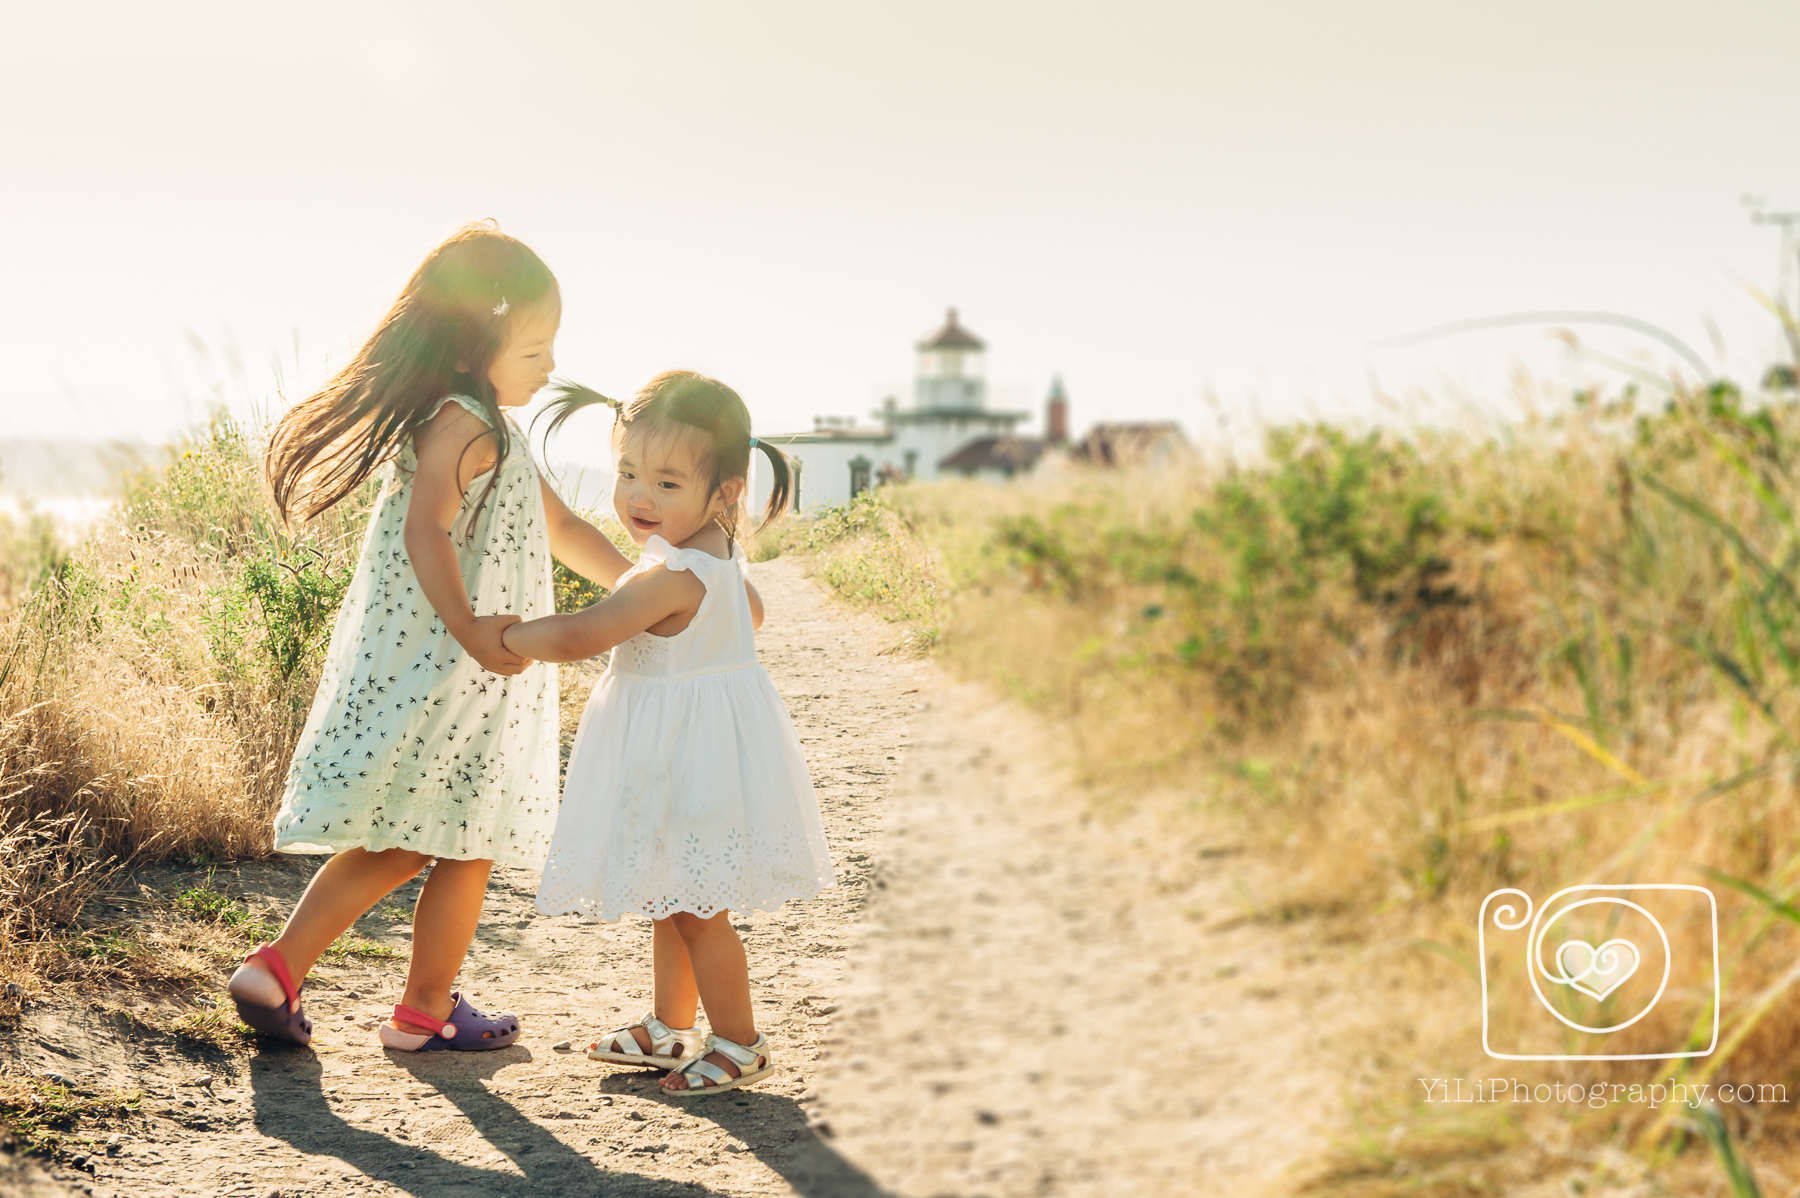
[(1004, 453), (1138, 444), (952, 336)]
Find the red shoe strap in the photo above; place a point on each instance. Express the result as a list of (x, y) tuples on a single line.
[(267, 954), (419, 1019)]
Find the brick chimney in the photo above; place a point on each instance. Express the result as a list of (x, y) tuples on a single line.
[(1056, 414)]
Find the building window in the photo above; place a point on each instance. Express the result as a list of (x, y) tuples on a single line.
[(859, 475)]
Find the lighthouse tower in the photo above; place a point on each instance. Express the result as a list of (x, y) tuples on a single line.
[(949, 402), (950, 370)]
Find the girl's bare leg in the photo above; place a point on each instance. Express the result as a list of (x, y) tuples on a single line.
[(444, 922), (676, 998), (344, 888), (722, 977)]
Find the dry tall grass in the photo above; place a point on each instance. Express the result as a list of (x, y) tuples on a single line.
[(152, 684), (1421, 668)]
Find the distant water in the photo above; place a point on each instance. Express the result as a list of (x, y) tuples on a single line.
[(75, 515), (76, 483), (47, 468)]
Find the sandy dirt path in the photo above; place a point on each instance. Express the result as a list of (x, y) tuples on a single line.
[(1006, 994), (1051, 995)]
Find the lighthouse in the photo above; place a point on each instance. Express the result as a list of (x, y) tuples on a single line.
[(949, 405), (841, 458), (949, 377)]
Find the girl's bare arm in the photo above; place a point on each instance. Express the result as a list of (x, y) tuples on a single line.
[(444, 471), (655, 597)]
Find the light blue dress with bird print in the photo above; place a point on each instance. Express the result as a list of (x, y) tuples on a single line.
[(410, 742)]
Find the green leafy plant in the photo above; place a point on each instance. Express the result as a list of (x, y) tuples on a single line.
[(1738, 1175), (295, 596)]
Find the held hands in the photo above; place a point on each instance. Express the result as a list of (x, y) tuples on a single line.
[(485, 644)]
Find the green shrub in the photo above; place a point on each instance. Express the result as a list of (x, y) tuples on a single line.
[(1332, 531), (869, 552), (284, 601), (1368, 506)]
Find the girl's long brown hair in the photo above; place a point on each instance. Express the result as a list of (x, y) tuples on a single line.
[(438, 339), (692, 405)]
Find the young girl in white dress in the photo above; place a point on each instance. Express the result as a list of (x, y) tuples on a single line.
[(687, 796), (428, 738)]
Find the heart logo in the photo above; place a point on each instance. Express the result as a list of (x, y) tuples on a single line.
[(1604, 969)]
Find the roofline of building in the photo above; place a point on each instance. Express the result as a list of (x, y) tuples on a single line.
[(1036, 448), (918, 415), (968, 343), (951, 335), (829, 437)]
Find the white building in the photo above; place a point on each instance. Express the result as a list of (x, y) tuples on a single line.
[(839, 459)]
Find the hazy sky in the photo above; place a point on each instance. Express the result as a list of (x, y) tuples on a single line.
[(1150, 198)]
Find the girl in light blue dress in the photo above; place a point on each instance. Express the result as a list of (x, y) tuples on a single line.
[(428, 739)]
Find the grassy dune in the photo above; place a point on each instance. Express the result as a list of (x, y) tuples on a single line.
[(1421, 668)]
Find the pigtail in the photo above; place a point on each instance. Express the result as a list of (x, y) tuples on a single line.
[(570, 398), (781, 487), (692, 404)]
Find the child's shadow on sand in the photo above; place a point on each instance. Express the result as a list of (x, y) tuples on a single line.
[(290, 1105), (775, 1129)]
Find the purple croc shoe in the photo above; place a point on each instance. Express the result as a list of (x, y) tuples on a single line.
[(285, 1021), (467, 1030)]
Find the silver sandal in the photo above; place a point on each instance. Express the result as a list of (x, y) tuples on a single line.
[(704, 1077), (663, 1038)]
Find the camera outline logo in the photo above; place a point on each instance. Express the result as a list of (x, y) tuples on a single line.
[(1595, 971)]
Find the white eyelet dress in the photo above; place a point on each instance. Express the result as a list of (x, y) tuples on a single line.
[(410, 742), (686, 788)]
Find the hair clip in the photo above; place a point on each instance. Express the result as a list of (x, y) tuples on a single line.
[(501, 308)]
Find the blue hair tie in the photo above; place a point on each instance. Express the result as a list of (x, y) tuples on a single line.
[(753, 443)]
